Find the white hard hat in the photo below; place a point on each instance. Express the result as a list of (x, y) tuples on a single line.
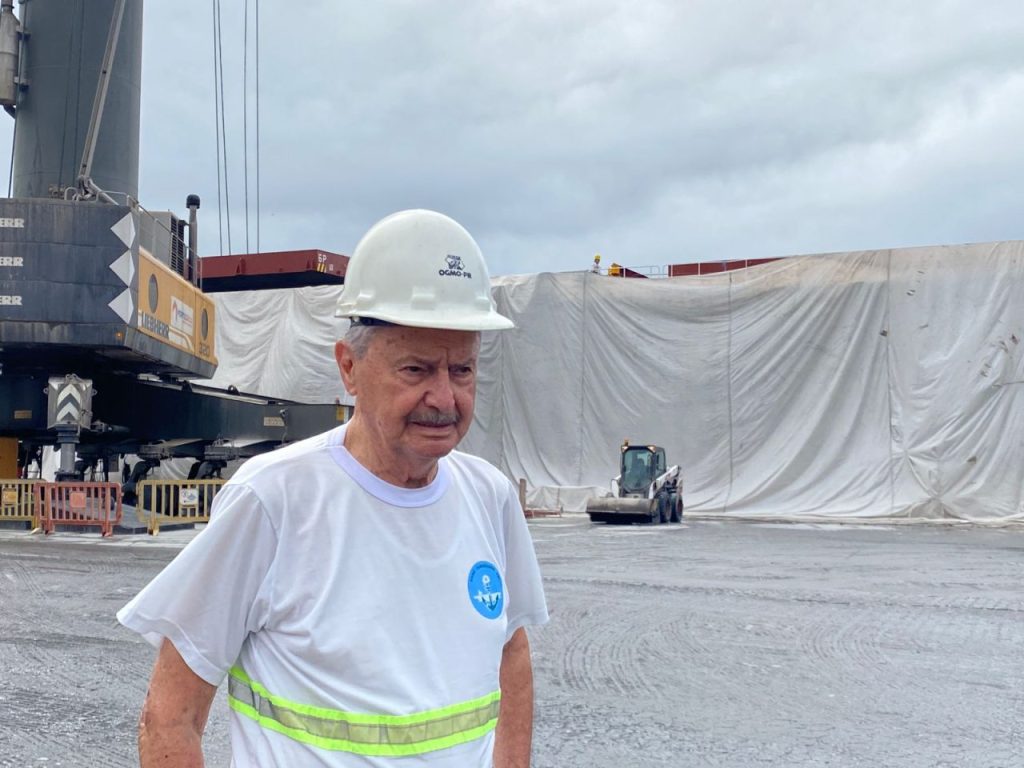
[(420, 268)]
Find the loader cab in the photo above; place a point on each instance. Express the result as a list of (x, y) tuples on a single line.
[(641, 464)]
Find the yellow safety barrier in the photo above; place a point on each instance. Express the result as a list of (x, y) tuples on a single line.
[(18, 501), (175, 501)]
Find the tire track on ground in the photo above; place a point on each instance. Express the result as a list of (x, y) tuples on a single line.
[(609, 650)]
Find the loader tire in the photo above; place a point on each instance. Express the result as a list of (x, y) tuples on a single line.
[(676, 508), (660, 511)]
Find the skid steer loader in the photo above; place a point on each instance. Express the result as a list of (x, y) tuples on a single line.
[(645, 490)]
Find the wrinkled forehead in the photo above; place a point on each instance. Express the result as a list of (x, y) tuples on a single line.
[(399, 341)]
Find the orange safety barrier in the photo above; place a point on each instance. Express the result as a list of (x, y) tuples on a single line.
[(176, 501), (533, 511), (80, 504), (529, 512), (18, 501)]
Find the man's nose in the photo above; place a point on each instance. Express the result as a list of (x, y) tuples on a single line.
[(441, 395)]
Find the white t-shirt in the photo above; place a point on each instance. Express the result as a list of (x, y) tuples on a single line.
[(334, 591)]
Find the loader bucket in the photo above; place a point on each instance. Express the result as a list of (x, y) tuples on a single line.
[(613, 509)]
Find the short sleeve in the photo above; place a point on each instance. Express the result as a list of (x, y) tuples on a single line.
[(526, 603), (216, 591)]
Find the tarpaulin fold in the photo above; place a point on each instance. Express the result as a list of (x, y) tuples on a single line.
[(857, 385)]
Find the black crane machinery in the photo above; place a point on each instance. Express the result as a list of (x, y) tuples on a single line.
[(103, 325)]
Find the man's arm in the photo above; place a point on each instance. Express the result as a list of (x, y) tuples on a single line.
[(174, 715), (514, 734)]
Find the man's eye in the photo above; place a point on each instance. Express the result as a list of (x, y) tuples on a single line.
[(462, 371), (413, 369)]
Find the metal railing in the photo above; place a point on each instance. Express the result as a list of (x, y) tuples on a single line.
[(78, 504), (650, 271), (175, 501), (18, 502)]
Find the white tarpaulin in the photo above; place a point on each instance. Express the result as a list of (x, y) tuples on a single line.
[(280, 343), (874, 384)]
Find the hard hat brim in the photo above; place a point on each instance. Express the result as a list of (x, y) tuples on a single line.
[(437, 320)]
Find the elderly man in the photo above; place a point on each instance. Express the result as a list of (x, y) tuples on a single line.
[(364, 592)]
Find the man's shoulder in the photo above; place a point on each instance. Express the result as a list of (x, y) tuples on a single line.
[(477, 469), (284, 459), (473, 463)]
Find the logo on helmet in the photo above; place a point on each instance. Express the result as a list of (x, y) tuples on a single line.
[(455, 267)]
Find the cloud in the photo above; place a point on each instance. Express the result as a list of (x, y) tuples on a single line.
[(652, 132)]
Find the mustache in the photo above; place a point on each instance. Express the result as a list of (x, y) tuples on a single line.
[(434, 418)]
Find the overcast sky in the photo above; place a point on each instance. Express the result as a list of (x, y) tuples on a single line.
[(651, 132)]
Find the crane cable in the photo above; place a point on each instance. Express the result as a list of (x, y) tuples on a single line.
[(257, 7), (220, 123), (216, 123), (218, 36), (223, 126), (245, 114)]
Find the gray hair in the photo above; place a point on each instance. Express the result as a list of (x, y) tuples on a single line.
[(358, 338)]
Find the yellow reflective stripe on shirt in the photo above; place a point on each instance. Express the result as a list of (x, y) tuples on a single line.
[(360, 733)]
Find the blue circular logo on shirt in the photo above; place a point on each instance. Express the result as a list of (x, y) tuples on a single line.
[(486, 592)]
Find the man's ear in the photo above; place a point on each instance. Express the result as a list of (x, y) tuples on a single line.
[(346, 366)]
